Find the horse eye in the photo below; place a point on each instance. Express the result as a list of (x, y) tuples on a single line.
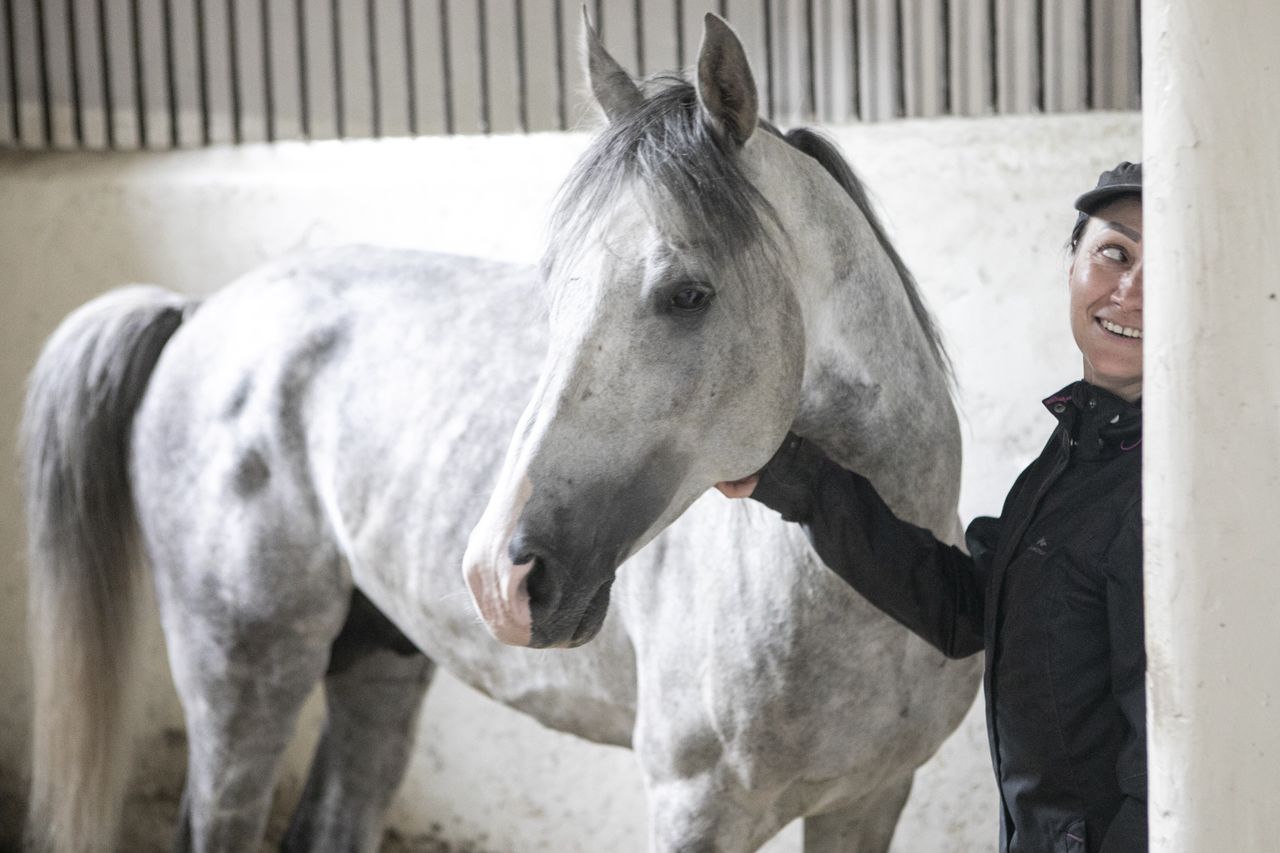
[(690, 299)]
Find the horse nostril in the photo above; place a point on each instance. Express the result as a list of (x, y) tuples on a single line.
[(544, 592), (543, 582)]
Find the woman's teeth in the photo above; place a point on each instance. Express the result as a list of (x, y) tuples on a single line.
[(1117, 329)]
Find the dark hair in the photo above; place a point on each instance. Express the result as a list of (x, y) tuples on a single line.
[(1082, 218), (1076, 233)]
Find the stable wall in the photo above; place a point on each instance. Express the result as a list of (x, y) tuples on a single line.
[(980, 209)]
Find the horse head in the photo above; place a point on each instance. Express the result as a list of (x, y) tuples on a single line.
[(677, 347)]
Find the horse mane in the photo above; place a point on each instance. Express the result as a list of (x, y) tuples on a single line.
[(817, 146), (666, 147)]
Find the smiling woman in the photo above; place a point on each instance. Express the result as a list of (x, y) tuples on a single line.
[(1106, 296), (1051, 590)]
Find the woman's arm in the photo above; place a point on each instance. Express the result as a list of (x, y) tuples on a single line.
[(932, 588)]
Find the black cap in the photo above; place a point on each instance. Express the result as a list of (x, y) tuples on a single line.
[(1125, 179)]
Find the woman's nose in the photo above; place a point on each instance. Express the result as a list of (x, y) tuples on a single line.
[(1128, 292)]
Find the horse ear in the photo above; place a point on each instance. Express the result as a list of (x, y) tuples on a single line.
[(726, 89), (614, 90)]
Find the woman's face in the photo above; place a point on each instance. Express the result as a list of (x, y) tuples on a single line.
[(1106, 298)]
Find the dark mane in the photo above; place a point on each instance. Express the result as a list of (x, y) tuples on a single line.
[(826, 153), (665, 147)]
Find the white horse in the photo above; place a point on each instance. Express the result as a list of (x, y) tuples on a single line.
[(301, 457)]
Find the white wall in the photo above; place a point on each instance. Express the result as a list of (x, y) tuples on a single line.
[(1212, 452), (980, 208)]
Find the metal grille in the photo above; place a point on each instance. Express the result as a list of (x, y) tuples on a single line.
[(126, 74)]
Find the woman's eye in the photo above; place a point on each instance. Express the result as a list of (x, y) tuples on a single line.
[(1114, 253), (690, 299)]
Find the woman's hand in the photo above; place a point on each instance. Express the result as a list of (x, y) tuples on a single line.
[(788, 483), (739, 488)]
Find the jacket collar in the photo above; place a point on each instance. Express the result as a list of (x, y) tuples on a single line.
[(1098, 421)]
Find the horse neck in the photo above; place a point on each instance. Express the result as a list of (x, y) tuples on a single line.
[(875, 396)]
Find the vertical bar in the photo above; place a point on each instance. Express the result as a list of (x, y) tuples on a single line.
[(855, 85), (770, 85), (679, 8), (233, 55), (319, 71), (482, 33), (724, 9), (393, 40), (202, 75), (947, 82), (11, 45), (447, 67), (336, 39), (410, 66), (561, 107), (375, 91), (304, 106), (49, 55), (638, 6), (1090, 88), (1040, 58), (42, 67), (1137, 17), (900, 82), (42, 70), (600, 19), (993, 35), (811, 63), (139, 84), (104, 53), (73, 47), (268, 89), (170, 77), (522, 81), (279, 71)]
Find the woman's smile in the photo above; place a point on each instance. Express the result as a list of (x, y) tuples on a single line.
[(1119, 330)]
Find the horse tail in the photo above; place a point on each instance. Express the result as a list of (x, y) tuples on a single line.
[(82, 535)]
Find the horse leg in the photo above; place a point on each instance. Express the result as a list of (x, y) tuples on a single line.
[(240, 715), (242, 680), (865, 827), (373, 691), (695, 816), (709, 811)]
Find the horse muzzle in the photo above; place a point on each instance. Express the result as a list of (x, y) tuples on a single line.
[(541, 563), (528, 596), (567, 599)]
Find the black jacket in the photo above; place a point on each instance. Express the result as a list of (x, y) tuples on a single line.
[(1051, 590)]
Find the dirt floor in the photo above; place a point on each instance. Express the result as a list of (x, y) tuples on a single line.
[(151, 831), (151, 812)]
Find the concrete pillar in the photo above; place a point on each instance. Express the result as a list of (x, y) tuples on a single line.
[(1211, 84)]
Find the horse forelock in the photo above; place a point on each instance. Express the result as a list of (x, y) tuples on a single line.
[(683, 174), (689, 175)]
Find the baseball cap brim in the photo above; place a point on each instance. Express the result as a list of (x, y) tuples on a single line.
[(1096, 198)]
